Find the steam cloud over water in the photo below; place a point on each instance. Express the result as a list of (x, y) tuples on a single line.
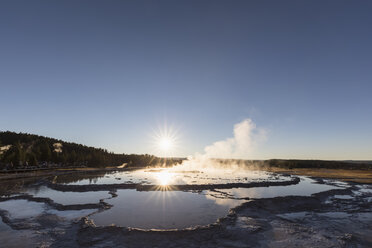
[(247, 136)]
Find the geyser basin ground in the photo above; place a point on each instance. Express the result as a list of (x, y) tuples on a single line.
[(236, 209)]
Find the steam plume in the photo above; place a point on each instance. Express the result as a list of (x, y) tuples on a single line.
[(247, 136)]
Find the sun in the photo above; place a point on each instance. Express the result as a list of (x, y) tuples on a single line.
[(165, 141), (165, 144)]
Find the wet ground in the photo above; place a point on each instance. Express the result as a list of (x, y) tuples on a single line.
[(177, 208)]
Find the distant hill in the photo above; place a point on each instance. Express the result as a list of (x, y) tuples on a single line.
[(29, 150)]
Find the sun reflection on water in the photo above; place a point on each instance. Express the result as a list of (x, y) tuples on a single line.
[(164, 178)]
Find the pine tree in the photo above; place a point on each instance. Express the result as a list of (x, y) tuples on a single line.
[(18, 157), (46, 153), (31, 158)]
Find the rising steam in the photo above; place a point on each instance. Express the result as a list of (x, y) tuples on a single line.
[(247, 136)]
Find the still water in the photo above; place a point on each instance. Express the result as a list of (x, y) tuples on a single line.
[(162, 210)]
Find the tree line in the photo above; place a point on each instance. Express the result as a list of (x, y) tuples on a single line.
[(318, 164), (22, 150)]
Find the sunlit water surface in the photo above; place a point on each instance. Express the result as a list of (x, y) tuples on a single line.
[(171, 176)]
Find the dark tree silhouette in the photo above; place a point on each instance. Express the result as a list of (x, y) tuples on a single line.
[(29, 149)]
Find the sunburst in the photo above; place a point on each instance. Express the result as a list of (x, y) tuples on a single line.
[(165, 141)]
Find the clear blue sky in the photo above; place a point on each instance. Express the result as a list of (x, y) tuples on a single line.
[(106, 73)]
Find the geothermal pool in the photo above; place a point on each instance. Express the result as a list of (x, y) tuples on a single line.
[(146, 199), (167, 209), (162, 205)]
